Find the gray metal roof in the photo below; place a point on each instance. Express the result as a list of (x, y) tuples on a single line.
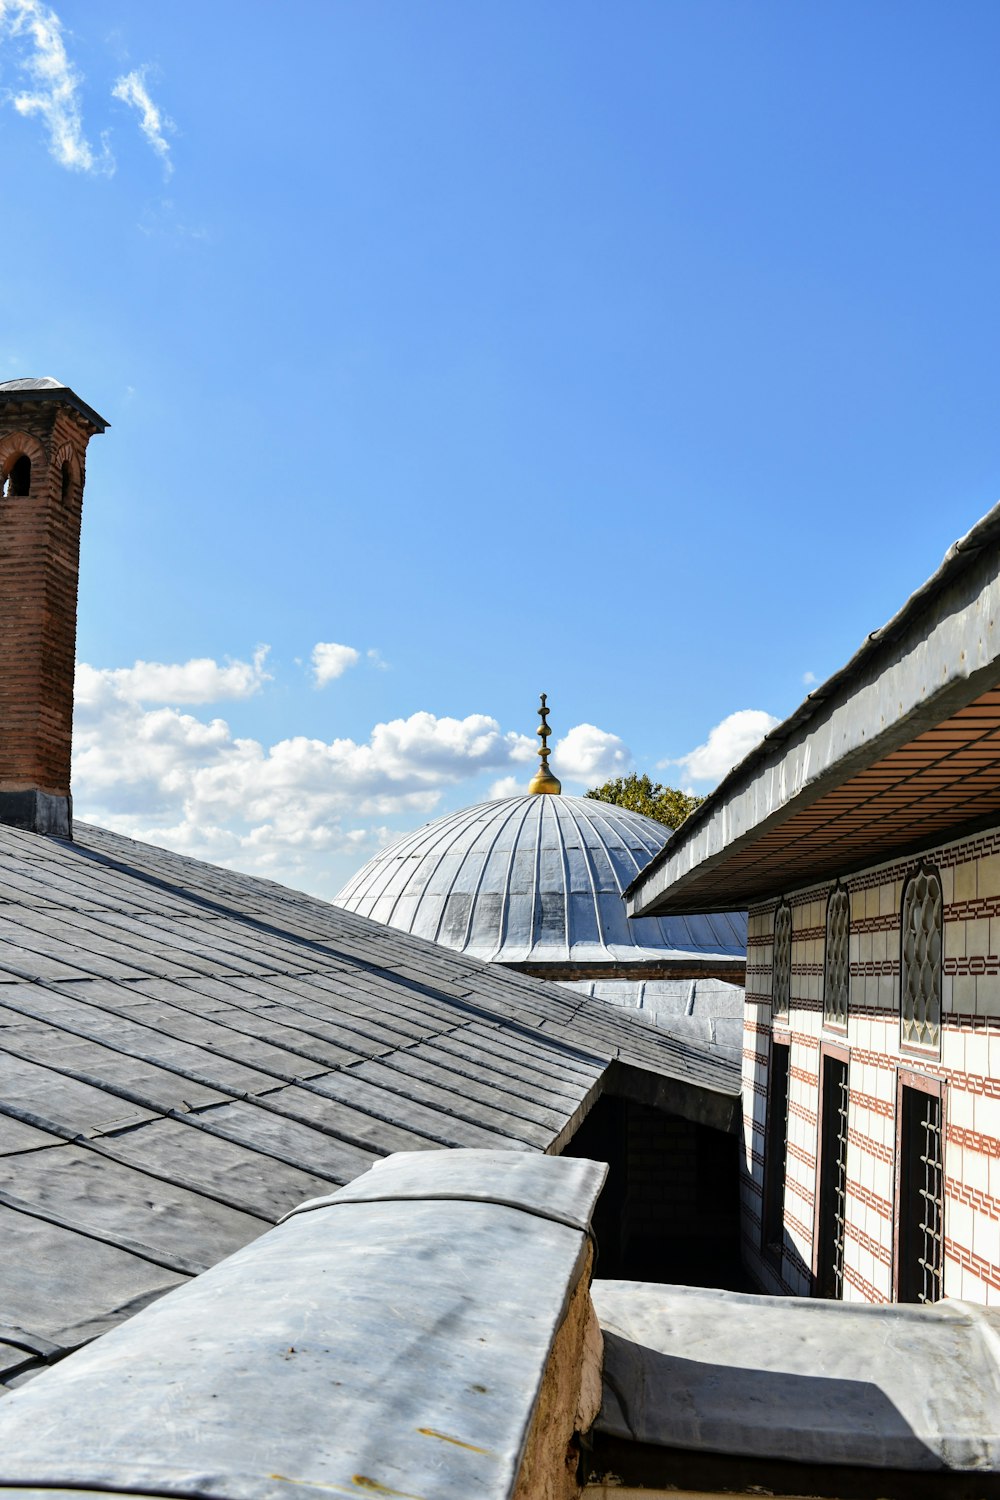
[(535, 880), (708, 1012), (186, 1053), (801, 1379), (393, 1339), (45, 388), (33, 383)]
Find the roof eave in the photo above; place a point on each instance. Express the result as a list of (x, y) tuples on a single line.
[(63, 395), (937, 653)]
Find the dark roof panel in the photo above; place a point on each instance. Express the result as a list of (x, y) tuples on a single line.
[(188, 1053)]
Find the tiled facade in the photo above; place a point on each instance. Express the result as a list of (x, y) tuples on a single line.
[(964, 1069)]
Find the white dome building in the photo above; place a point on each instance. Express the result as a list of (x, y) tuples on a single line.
[(535, 883)]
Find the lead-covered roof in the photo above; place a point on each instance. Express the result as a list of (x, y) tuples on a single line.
[(187, 1053), (535, 880)]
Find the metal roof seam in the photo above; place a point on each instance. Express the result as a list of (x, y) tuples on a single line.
[(180, 1265), (99, 1148), (189, 1074), (505, 914), (457, 1114), (532, 1210), (591, 869), (482, 876)]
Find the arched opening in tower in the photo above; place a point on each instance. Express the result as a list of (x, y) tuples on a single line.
[(19, 477)]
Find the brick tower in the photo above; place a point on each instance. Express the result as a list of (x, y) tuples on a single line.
[(44, 432)]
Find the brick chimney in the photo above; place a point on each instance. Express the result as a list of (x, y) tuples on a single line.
[(44, 432)]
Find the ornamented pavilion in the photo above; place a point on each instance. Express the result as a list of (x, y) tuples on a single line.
[(296, 1203), (536, 883), (864, 837)]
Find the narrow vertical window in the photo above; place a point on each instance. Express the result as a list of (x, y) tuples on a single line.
[(920, 1197), (65, 482), (781, 961), (920, 961), (837, 965), (832, 1179), (19, 477), (776, 1149)]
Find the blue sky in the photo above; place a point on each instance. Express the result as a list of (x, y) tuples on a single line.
[(641, 353)]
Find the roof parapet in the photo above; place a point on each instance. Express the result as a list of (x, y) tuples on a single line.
[(393, 1338)]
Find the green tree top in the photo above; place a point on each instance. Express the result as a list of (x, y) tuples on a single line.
[(664, 803)]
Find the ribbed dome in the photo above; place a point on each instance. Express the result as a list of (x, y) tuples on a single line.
[(533, 880)]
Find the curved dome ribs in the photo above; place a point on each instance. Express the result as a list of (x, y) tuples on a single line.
[(397, 885), (623, 933), (394, 884), (567, 888), (536, 883), (592, 871), (549, 898), (527, 805), (616, 820), (442, 850), (501, 819), (537, 880)]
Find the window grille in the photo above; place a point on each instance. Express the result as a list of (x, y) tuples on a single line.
[(920, 980), (837, 972), (921, 1193), (776, 1149), (781, 961), (833, 1179)]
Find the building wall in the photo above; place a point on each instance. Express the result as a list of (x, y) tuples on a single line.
[(967, 1068), (669, 1211)]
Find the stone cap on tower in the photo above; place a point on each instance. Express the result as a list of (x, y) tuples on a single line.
[(45, 388)]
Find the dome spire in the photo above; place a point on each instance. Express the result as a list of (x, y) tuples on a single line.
[(543, 780)]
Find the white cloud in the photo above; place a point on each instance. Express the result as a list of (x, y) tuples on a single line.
[(200, 680), (726, 745), (330, 661), (286, 809), (36, 32), (131, 89), (303, 810), (507, 786), (591, 755), (809, 678)]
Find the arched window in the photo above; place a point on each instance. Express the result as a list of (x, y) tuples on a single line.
[(65, 481), (19, 477), (837, 966), (781, 962), (920, 961)]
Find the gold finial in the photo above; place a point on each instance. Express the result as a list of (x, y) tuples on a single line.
[(543, 780)]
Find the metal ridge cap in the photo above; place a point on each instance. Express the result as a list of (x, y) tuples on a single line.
[(494, 1199), (562, 1190)]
